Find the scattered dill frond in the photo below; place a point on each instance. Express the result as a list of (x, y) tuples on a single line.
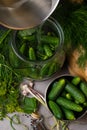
[(74, 25)]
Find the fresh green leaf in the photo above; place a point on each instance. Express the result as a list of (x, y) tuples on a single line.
[(29, 105)]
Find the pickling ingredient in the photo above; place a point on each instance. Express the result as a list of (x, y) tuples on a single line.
[(76, 80), (56, 89), (32, 55), (83, 87), (29, 105), (75, 92), (69, 104), (68, 114), (10, 96), (55, 109), (70, 95), (43, 46)]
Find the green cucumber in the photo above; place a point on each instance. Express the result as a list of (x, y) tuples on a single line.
[(75, 92), (32, 55), (68, 104), (76, 102), (57, 88), (22, 48), (52, 68), (48, 50), (85, 104), (29, 38), (83, 87), (55, 109), (76, 80), (68, 114), (68, 96), (44, 69), (50, 40)]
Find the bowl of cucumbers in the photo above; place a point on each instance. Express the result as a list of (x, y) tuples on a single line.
[(38, 52), (66, 97)]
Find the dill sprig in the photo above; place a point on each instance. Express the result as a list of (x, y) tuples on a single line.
[(74, 24)]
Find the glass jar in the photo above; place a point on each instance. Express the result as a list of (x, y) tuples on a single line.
[(38, 53)]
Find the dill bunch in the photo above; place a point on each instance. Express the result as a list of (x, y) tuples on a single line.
[(73, 19)]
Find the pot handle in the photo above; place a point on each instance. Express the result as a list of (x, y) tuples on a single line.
[(26, 87)]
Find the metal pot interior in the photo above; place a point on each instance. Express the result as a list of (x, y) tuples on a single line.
[(78, 115)]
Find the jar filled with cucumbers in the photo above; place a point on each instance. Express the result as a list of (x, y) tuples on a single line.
[(38, 52)]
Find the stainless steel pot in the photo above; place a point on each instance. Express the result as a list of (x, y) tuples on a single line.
[(23, 14)]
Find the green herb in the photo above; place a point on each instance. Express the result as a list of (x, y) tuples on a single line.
[(9, 91), (10, 94), (15, 119), (4, 46), (29, 105), (10, 97), (73, 19), (3, 34)]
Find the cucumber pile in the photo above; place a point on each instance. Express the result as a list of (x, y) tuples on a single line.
[(40, 51), (37, 47), (67, 97)]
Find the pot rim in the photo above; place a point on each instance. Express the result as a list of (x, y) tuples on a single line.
[(57, 77)]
